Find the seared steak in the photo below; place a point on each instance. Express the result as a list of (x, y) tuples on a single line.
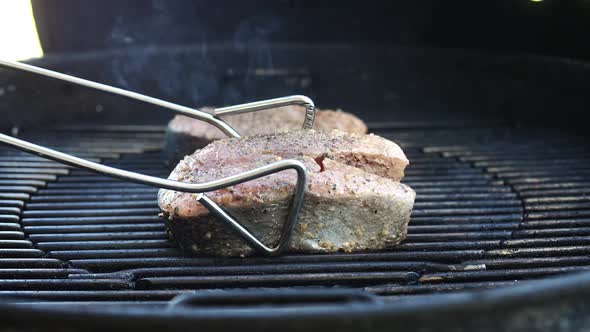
[(184, 135), (346, 207)]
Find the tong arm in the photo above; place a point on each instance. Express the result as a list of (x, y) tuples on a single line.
[(200, 188)]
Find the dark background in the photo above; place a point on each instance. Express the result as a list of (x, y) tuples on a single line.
[(553, 27), (404, 63)]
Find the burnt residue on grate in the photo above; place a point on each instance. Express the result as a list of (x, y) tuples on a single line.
[(494, 206)]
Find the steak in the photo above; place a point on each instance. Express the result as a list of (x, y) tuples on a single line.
[(346, 208), (184, 135)]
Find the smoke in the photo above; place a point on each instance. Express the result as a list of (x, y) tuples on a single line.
[(147, 62), (254, 34), (155, 57), (253, 39)]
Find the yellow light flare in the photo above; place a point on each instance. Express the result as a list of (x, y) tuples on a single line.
[(19, 39)]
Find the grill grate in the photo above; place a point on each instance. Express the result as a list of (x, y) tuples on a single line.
[(494, 206)]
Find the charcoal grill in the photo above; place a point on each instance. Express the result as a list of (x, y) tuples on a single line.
[(487, 215), (499, 238)]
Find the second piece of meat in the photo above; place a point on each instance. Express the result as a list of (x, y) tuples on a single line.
[(184, 135)]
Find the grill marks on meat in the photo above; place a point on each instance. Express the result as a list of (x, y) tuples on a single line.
[(346, 208), (184, 135)]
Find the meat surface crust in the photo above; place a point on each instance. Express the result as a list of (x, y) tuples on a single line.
[(371, 153), (350, 204)]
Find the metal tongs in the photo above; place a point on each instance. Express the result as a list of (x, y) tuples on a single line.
[(199, 188)]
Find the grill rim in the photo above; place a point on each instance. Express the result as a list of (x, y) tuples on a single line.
[(500, 307)]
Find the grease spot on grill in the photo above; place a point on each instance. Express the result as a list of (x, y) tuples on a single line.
[(430, 278)]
